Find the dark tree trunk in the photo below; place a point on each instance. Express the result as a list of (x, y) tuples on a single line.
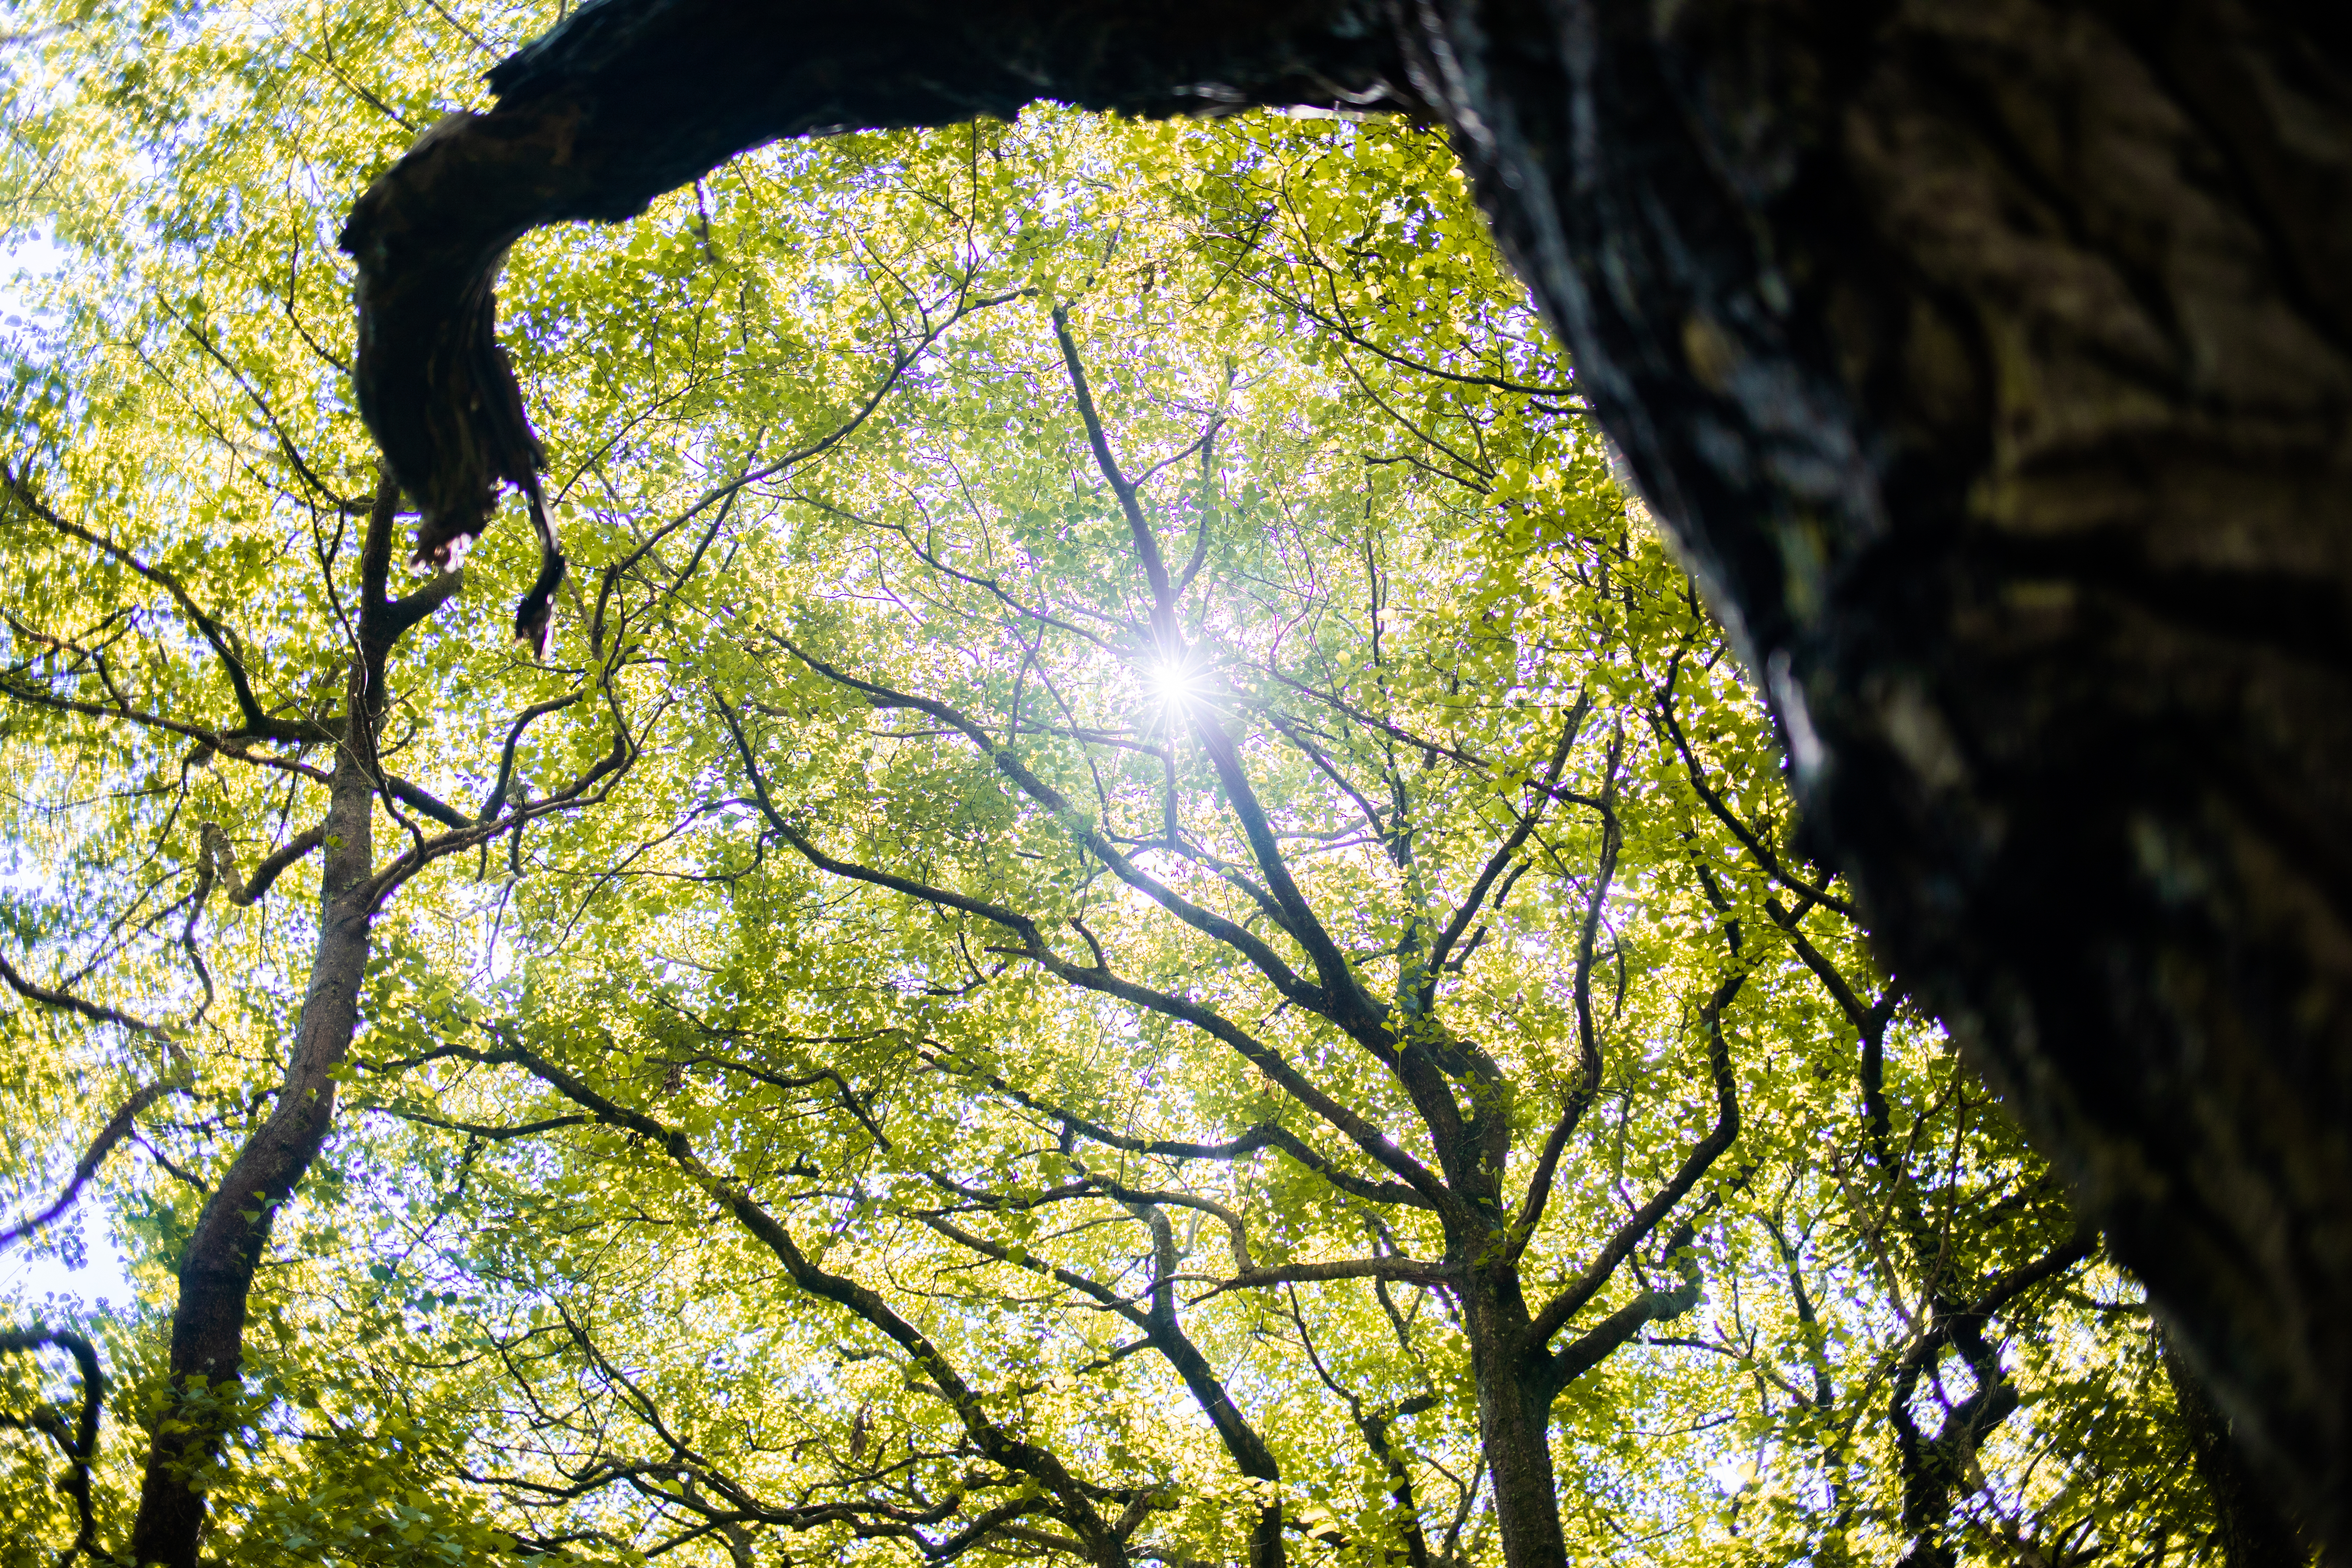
[(1990, 359), (1514, 1420), (2248, 1528)]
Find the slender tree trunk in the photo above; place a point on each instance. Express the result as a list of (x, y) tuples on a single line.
[(1243, 1443), (217, 1273), (1990, 359)]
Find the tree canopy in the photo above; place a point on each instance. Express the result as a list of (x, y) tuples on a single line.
[(1134, 916)]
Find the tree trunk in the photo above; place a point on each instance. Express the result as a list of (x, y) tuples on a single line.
[(1991, 360), (1514, 1423), (217, 1273), (2251, 1531)]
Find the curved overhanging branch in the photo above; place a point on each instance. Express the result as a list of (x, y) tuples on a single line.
[(601, 116)]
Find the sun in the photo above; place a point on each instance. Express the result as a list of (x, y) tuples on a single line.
[(1173, 680)]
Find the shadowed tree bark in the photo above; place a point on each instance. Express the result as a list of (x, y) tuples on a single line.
[(2248, 1527), (1991, 360)]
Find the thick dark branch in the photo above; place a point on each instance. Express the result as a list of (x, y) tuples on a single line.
[(1808, 1318), (1722, 813), (1349, 1005), (1012, 920), (488, 1131), (66, 1002), (2025, 1277), (1265, 1135), (417, 799), (988, 1523), (1410, 1269), (1338, 326), (1341, 705), (1092, 1288), (1161, 1329), (1165, 630), (293, 454), (225, 741), (849, 1097), (587, 788), (411, 609), (523, 721), (1296, 735), (1935, 1466), (621, 103), (1857, 1011), (1595, 1345), (1366, 1135)]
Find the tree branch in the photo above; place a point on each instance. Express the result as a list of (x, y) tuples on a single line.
[(1630, 1234), (994, 1441), (221, 857), (81, 1444), (66, 1002), (226, 644), (119, 1126)]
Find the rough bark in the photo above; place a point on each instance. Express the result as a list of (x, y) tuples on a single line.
[(1514, 1420), (1997, 389), (1991, 360)]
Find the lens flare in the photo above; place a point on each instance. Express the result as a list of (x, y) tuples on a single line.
[(1173, 682)]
